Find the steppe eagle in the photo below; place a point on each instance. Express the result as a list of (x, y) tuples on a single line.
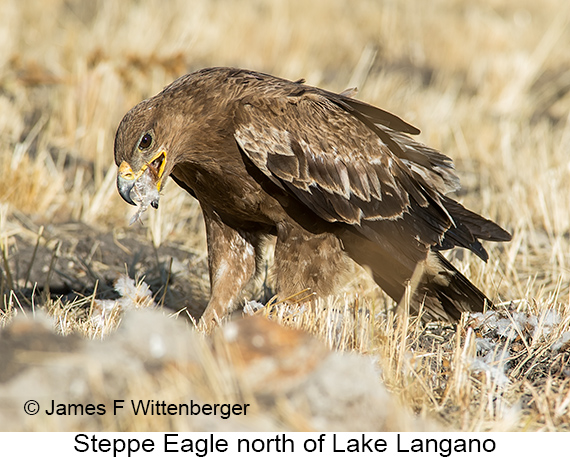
[(331, 177)]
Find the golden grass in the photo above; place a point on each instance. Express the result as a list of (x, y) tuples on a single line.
[(487, 81)]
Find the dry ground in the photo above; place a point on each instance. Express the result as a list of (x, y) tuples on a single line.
[(487, 81)]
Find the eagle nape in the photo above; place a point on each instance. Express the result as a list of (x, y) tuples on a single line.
[(335, 180)]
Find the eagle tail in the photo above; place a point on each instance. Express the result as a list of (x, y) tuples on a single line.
[(442, 292), (436, 287)]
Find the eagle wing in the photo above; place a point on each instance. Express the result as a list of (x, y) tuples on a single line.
[(346, 162)]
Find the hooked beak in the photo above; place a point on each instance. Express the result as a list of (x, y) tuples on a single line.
[(127, 178), (125, 185)]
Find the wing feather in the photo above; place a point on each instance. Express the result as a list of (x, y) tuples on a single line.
[(348, 168)]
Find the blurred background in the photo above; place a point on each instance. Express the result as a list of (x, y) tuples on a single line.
[(487, 82)]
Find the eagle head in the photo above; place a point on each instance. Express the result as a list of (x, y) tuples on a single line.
[(143, 154)]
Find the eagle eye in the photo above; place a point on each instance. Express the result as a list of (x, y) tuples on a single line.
[(145, 141)]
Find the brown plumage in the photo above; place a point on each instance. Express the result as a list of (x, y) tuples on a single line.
[(331, 177)]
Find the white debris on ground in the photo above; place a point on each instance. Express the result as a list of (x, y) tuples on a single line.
[(133, 295), (497, 331), (515, 325), (145, 193), (562, 343), (493, 363), (252, 307)]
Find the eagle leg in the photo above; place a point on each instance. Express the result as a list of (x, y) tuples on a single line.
[(306, 260), (232, 265)]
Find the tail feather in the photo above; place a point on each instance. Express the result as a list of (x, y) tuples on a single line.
[(445, 293), (437, 286)]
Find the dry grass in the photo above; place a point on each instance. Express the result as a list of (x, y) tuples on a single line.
[(486, 81)]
